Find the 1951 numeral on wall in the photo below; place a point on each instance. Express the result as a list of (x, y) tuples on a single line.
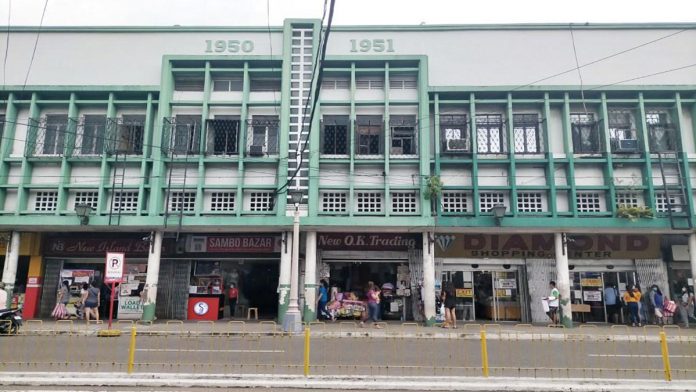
[(230, 46), (371, 45)]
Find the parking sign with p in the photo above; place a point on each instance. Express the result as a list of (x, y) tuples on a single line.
[(115, 263)]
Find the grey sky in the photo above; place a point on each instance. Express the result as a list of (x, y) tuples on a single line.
[(254, 12)]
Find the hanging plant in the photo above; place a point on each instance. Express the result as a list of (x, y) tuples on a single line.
[(433, 187), (633, 213)]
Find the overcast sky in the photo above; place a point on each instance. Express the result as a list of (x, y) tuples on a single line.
[(254, 12)]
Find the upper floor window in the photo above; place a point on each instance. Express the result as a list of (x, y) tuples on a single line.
[(335, 135), (263, 135), (222, 135), (454, 133), (369, 83), (662, 134), (490, 134), (526, 135), (189, 83), (622, 131), (90, 135), (369, 135), (50, 138), (335, 83), (228, 84), (265, 84), (126, 134), (404, 136), (186, 135), (585, 133), (403, 82)]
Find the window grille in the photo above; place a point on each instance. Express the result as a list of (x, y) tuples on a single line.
[(585, 133), (186, 135), (126, 134), (663, 136), (369, 202), (189, 83), (46, 201), (263, 136), (369, 83), (335, 135), (334, 201), (403, 135), (222, 201), (90, 136), (404, 202), (265, 85), (232, 84), (403, 83), (370, 132), (530, 202), (662, 205), (335, 83), (622, 132), (182, 201), (50, 137), (525, 128), (125, 201), (487, 200), (223, 132), (490, 134), (588, 201), (260, 201), (627, 199), (454, 134), (87, 197), (454, 202)]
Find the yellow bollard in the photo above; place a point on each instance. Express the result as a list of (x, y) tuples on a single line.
[(131, 351), (306, 352), (665, 356), (484, 353)]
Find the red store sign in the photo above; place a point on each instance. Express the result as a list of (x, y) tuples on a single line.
[(368, 241), (242, 244)]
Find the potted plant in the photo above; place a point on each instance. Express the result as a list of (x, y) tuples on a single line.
[(633, 213), (433, 188)]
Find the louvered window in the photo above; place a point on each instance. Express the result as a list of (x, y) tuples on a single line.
[(454, 202), (530, 202), (404, 202), (589, 201), (45, 201), (488, 200), (87, 197), (369, 202), (182, 201), (334, 201)]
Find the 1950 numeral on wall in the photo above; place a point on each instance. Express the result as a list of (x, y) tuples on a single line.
[(230, 46), (371, 45)]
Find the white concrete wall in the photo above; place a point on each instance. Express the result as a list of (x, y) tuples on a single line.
[(628, 176), (529, 175), (333, 175), (45, 174), (403, 175), (368, 175), (10, 201), (259, 174), (687, 130), (90, 175), (589, 175), (221, 175), (19, 142), (492, 175), (555, 131), (14, 175), (455, 176)]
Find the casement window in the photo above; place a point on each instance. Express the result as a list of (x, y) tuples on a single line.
[(186, 135), (627, 199), (223, 133), (261, 201), (369, 83), (530, 202), (490, 133), (585, 133), (222, 201), (265, 85), (127, 135), (333, 201), (526, 133), (228, 84), (51, 139), (263, 135), (454, 202), (404, 202), (90, 198), (622, 131), (488, 200), (368, 202), (182, 201), (335, 135), (404, 137), (589, 201), (664, 201), (663, 136), (45, 201), (189, 83), (125, 201), (454, 133), (335, 83), (90, 135), (369, 135)]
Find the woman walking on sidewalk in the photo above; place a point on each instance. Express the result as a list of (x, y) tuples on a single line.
[(631, 297), (372, 304)]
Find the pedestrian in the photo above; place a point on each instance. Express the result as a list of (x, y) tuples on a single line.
[(657, 302), (450, 303), (92, 301), (611, 300), (684, 300), (80, 306), (372, 304), (3, 296), (632, 298), (60, 311), (232, 295), (322, 300), (553, 302), (642, 305)]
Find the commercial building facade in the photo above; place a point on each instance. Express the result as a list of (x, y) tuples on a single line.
[(184, 143)]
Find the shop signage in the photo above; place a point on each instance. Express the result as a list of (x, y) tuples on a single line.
[(115, 263), (464, 293), (580, 246), (130, 305), (507, 283), (233, 244), (592, 296), (76, 246), (366, 241), (591, 282), (200, 308)]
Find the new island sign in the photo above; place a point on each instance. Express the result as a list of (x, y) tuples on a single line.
[(585, 246)]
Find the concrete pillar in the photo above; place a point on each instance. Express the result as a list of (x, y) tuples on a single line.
[(310, 277), (284, 277), (9, 272), (429, 278), (152, 278), (563, 279), (692, 258)]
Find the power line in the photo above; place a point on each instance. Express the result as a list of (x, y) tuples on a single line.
[(645, 76), (577, 65), (36, 43), (7, 41)]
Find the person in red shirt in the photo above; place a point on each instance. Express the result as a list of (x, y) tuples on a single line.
[(232, 294)]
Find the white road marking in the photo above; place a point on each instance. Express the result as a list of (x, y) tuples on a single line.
[(640, 355), (209, 351)]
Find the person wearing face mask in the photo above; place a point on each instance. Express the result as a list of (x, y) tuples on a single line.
[(685, 300), (657, 302)]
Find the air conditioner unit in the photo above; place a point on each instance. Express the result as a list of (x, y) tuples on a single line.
[(626, 145), (457, 145), (256, 150)]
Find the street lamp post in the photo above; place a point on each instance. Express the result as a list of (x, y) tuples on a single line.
[(293, 318)]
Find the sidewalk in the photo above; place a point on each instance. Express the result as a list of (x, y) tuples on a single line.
[(160, 380)]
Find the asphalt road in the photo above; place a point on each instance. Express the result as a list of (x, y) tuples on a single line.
[(392, 356)]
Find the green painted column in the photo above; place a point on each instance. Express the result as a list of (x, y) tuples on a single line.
[(474, 155), (147, 152), (25, 179), (424, 136), (6, 145), (644, 133), (157, 178), (570, 155)]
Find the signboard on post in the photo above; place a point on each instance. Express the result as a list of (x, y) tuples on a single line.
[(115, 264)]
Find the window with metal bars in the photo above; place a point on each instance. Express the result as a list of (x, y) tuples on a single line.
[(189, 83), (45, 201), (663, 202), (622, 131), (627, 199), (490, 134), (454, 202), (589, 201), (585, 133), (404, 202), (128, 135), (334, 201), (488, 200), (182, 201), (90, 198), (404, 139), (186, 135), (526, 133), (91, 134), (225, 84), (125, 201), (530, 202), (369, 135), (223, 133), (51, 137), (368, 202), (335, 135), (263, 138), (663, 136), (261, 201), (454, 134), (222, 201)]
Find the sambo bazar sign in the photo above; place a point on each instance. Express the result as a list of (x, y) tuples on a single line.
[(368, 241), (600, 246)]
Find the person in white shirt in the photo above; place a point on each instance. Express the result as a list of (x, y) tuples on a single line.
[(3, 296), (553, 302)]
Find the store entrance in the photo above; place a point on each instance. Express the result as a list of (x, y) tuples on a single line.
[(590, 288)]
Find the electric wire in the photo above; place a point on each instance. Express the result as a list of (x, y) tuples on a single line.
[(577, 65), (36, 44), (7, 43)]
